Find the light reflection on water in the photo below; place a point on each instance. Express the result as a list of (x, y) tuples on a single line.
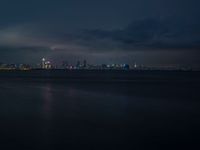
[(97, 115), (48, 98)]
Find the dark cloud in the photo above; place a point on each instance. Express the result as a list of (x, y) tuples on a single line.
[(100, 30), (161, 34)]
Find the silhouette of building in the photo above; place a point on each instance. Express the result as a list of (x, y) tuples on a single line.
[(78, 64), (84, 63)]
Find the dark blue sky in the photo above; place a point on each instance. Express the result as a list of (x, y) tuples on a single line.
[(158, 32)]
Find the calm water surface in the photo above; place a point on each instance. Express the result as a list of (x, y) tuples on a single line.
[(59, 115)]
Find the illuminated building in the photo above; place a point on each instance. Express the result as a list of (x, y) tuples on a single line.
[(43, 63), (135, 65), (48, 65)]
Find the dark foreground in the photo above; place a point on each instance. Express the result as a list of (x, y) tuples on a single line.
[(94, 110)]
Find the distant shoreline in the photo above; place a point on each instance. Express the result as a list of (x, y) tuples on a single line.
[(100, 70)]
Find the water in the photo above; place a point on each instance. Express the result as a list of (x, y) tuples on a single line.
[(61, 114)]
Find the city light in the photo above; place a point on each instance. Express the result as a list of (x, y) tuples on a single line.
[(46, 64)]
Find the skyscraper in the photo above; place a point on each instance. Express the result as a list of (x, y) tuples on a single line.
[(78, 64), (84, 63), (43, 63)]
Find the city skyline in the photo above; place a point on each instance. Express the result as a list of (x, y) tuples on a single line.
[(47, 64)]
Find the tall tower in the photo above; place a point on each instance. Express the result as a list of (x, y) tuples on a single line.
[(43, 63), (135, 65)]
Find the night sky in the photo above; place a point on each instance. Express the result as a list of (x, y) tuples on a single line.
[(150, 32)]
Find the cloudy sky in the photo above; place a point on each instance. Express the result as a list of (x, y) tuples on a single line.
[(151, 32)]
